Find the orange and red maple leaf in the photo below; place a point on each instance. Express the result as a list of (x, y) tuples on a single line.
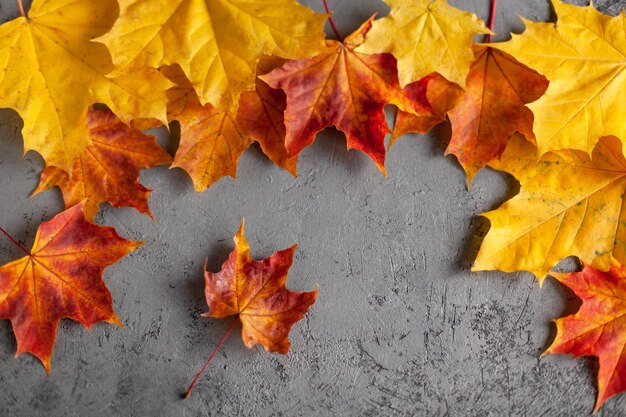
[(256, 292), (486, 115), (108, 169), (599, 327), (212, 141), (60, 277), (493, 108), (346, 89), (438, 93)]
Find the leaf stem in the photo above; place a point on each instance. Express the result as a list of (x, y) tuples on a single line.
[(21, 7), (219, 345), (492, 17), (15, 242), (332, 23)]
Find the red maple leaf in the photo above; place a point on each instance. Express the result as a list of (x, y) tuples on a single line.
[(599, 327), (346, 89), (60, 277)]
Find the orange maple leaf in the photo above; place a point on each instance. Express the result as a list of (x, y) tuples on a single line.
[(261, 116), (486, 115), (343, 88), (599, 327), (108, 170), (60, 277), (212, 141), (493, 108), (255, 291), (440, 94)]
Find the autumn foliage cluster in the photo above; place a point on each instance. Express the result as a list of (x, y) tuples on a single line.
[(545, 107)]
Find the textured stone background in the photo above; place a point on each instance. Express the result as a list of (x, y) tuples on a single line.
[(401, 326)]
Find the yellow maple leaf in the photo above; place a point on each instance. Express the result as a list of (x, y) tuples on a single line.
[(50, 73), (217, 43), (426, 36), (569, 205), (583, 56)]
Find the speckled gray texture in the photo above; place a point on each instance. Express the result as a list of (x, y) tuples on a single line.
[(401, 326)]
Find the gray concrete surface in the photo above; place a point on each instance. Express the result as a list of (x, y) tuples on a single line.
[(401, 326)]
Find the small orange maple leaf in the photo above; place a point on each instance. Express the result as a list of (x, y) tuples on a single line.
[(256, 293), (493, 108), (60, 277), (599, 327), (108, 170), (255, 290), (346, 89), (212, 141), (261, 116), (441, 94)]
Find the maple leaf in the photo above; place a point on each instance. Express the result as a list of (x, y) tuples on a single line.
[(261, 116), (51, 73), (426, 36), (343, 88), (493, 108), (569, 205), (599, 327), (256, 292), (212, 141), (439, 93), (60, 277), (217, 43), (108, 170), (583, 55)]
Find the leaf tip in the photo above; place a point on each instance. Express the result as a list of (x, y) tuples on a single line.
[(599, 402), (134, 244), (541, 277), (46, 361), (116, 320)]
